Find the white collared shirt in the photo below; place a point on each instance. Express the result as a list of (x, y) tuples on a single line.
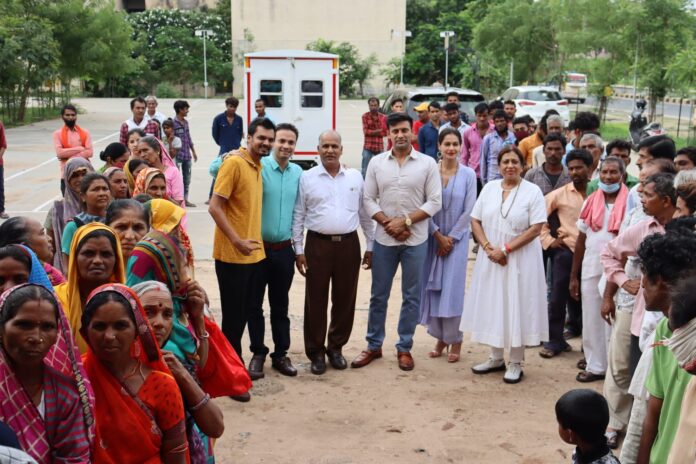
[(330, 205), (400, 190)]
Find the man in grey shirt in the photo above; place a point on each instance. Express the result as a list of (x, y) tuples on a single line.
[(402, 191)]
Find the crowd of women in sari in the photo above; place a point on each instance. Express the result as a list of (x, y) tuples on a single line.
[(106, 339)]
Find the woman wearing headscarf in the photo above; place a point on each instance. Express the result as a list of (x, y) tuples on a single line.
[(203, 417), (47, 399), (132, 169), (19, 230), (114, 155), (152, 151), (138, 407), (194, 339), (95, 259), (63, 211), (151, 181)]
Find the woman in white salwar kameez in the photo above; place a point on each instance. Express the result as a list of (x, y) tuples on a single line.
[(506, 304)]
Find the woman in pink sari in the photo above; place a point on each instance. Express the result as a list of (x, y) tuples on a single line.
[(45, 397)]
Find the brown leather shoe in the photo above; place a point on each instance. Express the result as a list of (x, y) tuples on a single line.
[(405, 360), (366, 357)]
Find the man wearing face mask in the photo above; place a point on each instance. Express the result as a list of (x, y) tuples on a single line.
[(659, 204), (70, 141), (238, 246)]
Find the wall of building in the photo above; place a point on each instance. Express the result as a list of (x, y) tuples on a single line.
[(259, 25)]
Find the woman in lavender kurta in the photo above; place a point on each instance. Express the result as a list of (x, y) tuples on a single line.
[(444, 270)]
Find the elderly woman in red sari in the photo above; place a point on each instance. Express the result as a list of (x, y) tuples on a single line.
[(139, 411), (45, 397)]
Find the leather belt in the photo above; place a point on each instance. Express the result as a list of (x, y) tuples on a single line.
[(332, 238), (275, 246)]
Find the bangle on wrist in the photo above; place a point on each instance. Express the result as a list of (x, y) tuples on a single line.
[(200, 404)]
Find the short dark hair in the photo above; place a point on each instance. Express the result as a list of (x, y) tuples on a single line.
[(434, 104), (371, 99), (664, 185), (670, 256), (137, 100), (585, 412), (68, 107), (555, 138), (511, 148), (689, 152), (452, 93), (89, 179), (232, 101), (687, 192), (520, 120), (586, 121), (495, 105), (17, 298), (580, 154), (289, 127), (481, 107), (450, 107), (663, 165), (395, 118), (509, 102), (180, 105), (261, 122), (117, 207), (683, 307), (500, 114), (396, 100), (619, 144), (448, 131)]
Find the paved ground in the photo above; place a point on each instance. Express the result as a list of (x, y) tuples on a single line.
[(438, 413)]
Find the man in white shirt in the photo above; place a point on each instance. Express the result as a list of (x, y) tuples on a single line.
[(330, 206), (402, 191)]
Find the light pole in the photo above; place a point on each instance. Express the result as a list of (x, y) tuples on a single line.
[(446, 35), (205, 33), (403, 52)]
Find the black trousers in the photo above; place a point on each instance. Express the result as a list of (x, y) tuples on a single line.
[(235, 283), (2, 188), (560, 264), (277, 271)]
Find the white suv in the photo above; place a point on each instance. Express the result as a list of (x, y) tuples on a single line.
[(536, 101)]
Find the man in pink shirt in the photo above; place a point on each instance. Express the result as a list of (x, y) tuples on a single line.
[(658, 198), (71, 140), (472, 137)]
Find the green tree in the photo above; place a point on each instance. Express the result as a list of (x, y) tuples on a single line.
[(353, 69)]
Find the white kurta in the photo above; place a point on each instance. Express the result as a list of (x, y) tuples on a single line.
[(506, 306)]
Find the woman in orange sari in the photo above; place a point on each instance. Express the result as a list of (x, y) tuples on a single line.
[(138, 407)]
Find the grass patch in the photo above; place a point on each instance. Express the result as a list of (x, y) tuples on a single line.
[(618, 130)]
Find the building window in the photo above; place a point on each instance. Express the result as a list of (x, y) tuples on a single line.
[(271, 92), (312, 94)]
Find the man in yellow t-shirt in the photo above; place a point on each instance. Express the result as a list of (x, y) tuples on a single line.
[(237, 246)]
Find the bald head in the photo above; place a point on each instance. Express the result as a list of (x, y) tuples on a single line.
[(331, 134)]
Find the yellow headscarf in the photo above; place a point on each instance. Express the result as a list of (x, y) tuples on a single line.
[(166, 216), (69, 292)]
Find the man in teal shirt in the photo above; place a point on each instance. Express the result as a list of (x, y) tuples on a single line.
[(281, 181)]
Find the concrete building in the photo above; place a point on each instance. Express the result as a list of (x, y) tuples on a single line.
[(259, 25)]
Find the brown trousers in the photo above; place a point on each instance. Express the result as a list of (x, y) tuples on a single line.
[(337, 263)]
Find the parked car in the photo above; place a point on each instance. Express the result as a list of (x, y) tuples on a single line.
[(536, 100), (468, 99)]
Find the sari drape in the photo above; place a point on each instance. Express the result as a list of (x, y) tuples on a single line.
[(69, 293)]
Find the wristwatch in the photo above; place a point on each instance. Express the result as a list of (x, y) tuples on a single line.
[(408, 221)]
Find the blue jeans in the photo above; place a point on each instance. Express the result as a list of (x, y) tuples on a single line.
[(185, 168), (367, 155), (385, 260)]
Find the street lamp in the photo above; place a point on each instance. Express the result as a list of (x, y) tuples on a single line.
[(446, 35), (205, 33), (403, 51)]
